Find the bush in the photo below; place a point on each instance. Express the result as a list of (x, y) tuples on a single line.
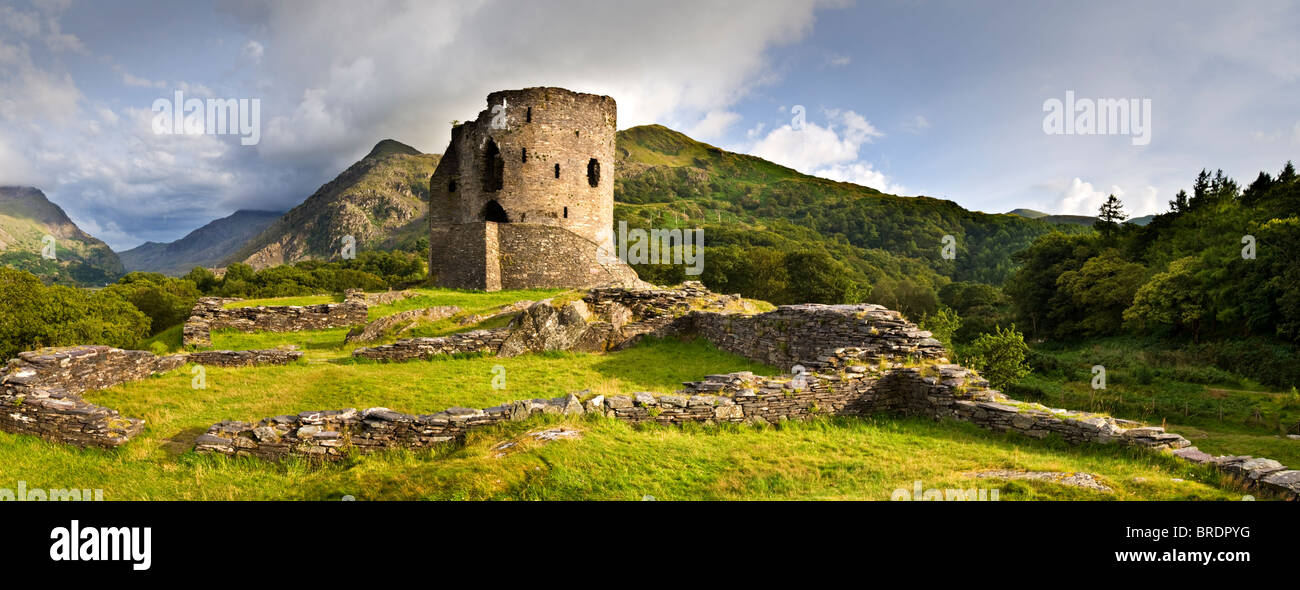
[(37, 316), (1000, 356)]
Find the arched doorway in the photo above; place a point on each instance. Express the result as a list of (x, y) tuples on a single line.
[(493, 211)]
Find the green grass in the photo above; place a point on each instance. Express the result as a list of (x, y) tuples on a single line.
[(827, 458), (280, 301), (1221, 413)]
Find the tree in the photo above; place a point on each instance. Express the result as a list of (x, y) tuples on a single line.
[(1110, 216), (942, 325), (1179, 204), (1171, 300), (1000, 356), (1103, 288)]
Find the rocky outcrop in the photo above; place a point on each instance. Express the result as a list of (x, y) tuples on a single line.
[(210, 314), (399, 322), (40, 393)]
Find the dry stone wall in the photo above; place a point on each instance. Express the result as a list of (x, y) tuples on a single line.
[(210, 314), (856, 359), (938, 391), (40, 393)]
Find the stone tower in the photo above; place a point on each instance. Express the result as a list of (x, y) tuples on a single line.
[(524, 195)]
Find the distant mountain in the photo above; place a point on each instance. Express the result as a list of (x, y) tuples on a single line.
[(381, 201), (207, 246), (1030, 213), (26, 217), (1072, 219)]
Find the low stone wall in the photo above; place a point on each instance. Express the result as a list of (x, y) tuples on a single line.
[(40, 393), (245, 358), (800, 334), (388, 297), (842, 388), (210, 314), (409, 349)]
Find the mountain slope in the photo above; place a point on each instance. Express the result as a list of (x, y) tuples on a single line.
[(207, 246), (26, 217), (381, 201), (665, 175)]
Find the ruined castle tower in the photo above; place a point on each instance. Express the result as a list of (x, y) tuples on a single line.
[(524, 195)]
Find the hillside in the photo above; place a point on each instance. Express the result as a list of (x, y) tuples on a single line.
[(26, 217), (751, 208), (380, 201), (207, 246), (849, 242)]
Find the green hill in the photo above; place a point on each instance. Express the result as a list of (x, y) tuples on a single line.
[(759, 215), (381, 201), (26, 217)]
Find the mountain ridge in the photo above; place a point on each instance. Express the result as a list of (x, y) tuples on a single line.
[(27, 216)]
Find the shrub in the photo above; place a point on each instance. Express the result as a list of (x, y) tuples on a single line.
[(1000, 356)]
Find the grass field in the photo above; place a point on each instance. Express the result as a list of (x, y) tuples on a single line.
[(1219, 412), (828, 458)]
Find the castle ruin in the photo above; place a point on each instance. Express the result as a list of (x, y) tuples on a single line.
[(524, 195)]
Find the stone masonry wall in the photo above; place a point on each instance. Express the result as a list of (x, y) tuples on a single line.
[(841, 389), (210, 314), (40, 393), (800, 334)]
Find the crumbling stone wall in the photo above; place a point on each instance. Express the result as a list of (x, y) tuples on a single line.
[(40, 393), (245, 358), (938, 391), (210, 314), (800, 334)]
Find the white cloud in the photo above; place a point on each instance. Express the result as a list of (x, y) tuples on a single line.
[(831, 151), (713, 126), (405, 70)]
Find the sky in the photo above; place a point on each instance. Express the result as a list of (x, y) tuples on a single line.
[(937, 98)]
